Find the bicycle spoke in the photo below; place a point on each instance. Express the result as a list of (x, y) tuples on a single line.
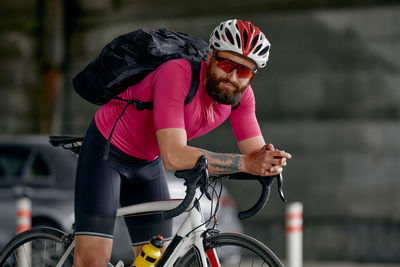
[(26, 247), (45, 248), (8, 262), (241, 253)]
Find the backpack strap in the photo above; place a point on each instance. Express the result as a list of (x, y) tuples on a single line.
[(194, 84), (139, 105), (235, 107)]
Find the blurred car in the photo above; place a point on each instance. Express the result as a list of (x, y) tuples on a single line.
[(30, 165), (47, 174)]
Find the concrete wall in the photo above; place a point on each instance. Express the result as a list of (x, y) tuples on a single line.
[(329, 95), (19, 73)]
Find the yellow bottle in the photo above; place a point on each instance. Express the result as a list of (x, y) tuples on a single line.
[(150, 252)]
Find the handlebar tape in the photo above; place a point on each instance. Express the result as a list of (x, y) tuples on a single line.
[(266, 183), (190, 192), (192, 178), (263, 199)]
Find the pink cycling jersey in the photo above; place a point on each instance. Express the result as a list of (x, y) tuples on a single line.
[(167, 87)]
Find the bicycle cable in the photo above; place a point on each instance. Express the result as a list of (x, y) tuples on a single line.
[(218, 196), (213, 211)]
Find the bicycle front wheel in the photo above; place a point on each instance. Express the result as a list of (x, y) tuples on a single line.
[(42, 246), (232, 249)]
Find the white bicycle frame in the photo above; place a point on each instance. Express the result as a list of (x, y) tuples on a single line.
[(189, 233)]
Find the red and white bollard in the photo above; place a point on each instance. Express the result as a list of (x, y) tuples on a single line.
[(24, 214), (24, 222), (294, 234)]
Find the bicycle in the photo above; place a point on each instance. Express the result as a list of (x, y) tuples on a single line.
[(193, 245)]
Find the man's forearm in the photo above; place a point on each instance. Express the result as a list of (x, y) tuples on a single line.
[(222, 163)]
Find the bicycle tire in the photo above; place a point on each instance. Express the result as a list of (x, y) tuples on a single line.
[(46, 245), (261, 255)]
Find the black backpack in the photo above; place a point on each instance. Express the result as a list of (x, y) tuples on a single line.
[(127, 59)]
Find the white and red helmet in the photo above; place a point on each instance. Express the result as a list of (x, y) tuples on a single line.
[(242, 38)]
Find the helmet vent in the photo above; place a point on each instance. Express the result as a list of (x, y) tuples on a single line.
[(217, 35), (238, 41), (257, 48), (264, 51), (254, 42), (229, 36), (216, 45), (245, 38)]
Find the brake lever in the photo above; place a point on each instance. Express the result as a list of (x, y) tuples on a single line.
[(204, 184), (279, 178)]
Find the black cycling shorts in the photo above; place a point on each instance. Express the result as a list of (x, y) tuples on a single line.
[(102, 186)]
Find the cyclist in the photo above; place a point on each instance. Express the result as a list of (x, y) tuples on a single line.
[(134, 171)]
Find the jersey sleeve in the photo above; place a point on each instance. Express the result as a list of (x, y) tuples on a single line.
[(243, 119), (171, 86)]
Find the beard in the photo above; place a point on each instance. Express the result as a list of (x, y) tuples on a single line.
[(215, 89)]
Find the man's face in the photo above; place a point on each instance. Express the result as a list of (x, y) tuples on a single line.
[(226, 87)]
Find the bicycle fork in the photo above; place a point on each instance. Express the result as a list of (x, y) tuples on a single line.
[(192, 229)]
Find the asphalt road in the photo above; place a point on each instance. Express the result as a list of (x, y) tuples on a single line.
[(327, 264), (348, 264)]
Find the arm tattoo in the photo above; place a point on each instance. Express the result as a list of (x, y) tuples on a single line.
[(223, 163)]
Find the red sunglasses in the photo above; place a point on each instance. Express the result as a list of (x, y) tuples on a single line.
[(228, 66)]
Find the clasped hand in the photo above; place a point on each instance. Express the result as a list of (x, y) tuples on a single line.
[(267, 161)]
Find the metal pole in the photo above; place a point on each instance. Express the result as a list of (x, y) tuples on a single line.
[(294, 234)]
